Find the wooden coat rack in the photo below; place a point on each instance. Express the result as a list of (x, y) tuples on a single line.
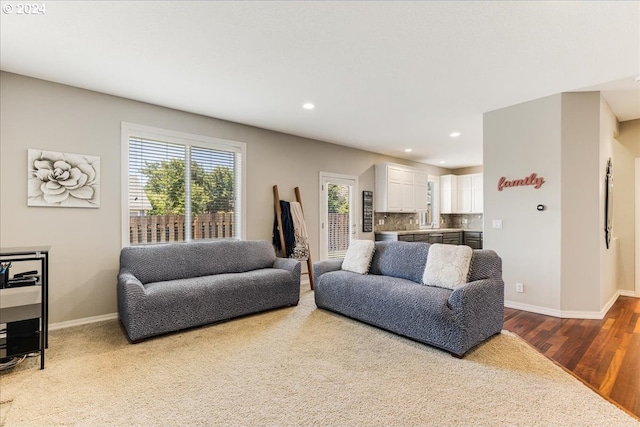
[(276, 198)]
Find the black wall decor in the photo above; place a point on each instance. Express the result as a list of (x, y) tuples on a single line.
[(367, 211), (608, 203)]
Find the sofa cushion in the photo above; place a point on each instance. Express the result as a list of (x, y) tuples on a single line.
[(171, 261), (396, 304), (447, 265), (358, 257), (405, 260), (178, 304), (485, 264)]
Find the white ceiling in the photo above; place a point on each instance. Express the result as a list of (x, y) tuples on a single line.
[(384, 76)]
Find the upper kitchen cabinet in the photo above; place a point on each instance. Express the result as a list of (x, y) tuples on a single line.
[(464, 194), (477, 193), (400, 188), (461, 193), (421, 191), (448, 194)]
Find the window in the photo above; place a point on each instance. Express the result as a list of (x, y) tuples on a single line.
[(429, 218), (180, 187)]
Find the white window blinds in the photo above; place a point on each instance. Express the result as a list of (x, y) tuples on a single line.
[(180, 191)]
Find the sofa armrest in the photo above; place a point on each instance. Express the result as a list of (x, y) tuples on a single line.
[(321, 267), (129, 283), (480, 306), (131, 294), (290, 265)]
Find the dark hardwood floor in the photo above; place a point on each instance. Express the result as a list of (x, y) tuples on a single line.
[(604, 354)]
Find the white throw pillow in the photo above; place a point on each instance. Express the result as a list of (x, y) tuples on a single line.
[(447, 266), (359, 255)]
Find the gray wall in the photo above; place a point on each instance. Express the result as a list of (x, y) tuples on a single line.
[(86, 242), (518, 141), (560, 253)]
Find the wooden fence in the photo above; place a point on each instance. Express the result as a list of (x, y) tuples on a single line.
[(170, 228), (338, 234)]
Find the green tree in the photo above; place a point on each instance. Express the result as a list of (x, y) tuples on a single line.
[(219, 184), (210, 191), (338, 199)]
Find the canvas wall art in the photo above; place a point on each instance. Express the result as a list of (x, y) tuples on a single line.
[(63, 179)]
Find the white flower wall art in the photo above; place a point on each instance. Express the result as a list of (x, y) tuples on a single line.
[(63, 179)]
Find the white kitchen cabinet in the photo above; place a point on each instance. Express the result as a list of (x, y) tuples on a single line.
[(448, 194), (421, 193), (408, 191), (392, 195), (477, 193), (400, 188), (461, 194), (464, 194)]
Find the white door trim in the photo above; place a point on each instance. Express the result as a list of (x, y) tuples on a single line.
[(637, 216)]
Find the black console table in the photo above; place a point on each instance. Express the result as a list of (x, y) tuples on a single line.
[(24, 310)]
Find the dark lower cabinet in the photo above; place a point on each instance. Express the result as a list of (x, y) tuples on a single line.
[(473, 239), (452, 238), (435, 238), (469, 238), (421, 237)]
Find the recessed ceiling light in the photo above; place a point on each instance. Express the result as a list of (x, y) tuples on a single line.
[(308, 106), (442, 162), (408, 150), (454, 134), (638, 79)]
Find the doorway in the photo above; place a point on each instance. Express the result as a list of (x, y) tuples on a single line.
[(637, 216), (338, 209)]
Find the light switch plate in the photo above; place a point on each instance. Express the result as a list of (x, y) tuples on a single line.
[(497, 223)]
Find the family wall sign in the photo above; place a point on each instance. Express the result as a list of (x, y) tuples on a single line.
[(533, 179)]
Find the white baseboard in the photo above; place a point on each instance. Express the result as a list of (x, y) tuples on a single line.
[(629, 294), (83, 321), (569, 314), (533, 308)]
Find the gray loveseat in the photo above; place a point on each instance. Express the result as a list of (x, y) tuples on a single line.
[(392, 297), (168, 287)]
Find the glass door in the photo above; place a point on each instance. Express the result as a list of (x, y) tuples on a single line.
[(338, 213)]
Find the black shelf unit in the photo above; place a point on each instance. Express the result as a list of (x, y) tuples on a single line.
[(26, 318)]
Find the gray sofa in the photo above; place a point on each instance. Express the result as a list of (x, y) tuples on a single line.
[(169, 287), (392, 297)]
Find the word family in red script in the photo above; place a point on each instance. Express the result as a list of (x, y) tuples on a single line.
[(532, 179)]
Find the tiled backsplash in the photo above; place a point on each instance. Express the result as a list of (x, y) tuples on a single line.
[(465, 221), (411, 221), (396, 221)]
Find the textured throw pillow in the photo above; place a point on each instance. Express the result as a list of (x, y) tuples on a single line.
[(358, 257), (447, 266)]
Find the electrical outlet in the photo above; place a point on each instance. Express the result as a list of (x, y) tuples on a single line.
[(519, 287)]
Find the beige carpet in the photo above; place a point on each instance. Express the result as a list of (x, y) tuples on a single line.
[(294, 366)]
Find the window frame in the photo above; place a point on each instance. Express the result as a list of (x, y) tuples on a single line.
[(133, 130)]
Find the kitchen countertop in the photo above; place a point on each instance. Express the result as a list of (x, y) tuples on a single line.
[(427, 231)]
